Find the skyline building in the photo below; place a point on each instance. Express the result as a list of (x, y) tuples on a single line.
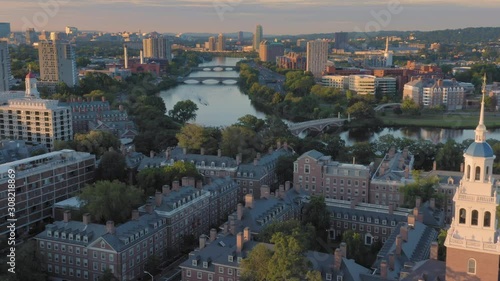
[(317, 57), (221, 43), (269, 51), (4, 29), (212, 44), (157, 48), (31, 36), (240, 36), (257, 37), (388, 55), (341, 40), (4, 67), (57, 63), (472, 246)]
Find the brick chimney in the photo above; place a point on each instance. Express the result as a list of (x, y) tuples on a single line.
[(167, 153), (239, 242), (434, 251), (287, 185), (219, 152), (191, 181), (175, 185), (258, 156), (184, 151), (135, 215), (202, 151), (255, 162), (270, 150), (226, 228), (337, 259), (110, 227), (203, 241), (461, 167), (213, 234), (151, 154), (86, 218), (67, 216), (343, 248), (265, 192), (249, 201), (240, 211), (165, 190), (247, 236), (158, 199), (403, 231), (434, 166), (399, 244), (411, 220), (420, 217), (185, 181), (383, 269), (281, 192), (232, 225), (238, 159), (149, 208)]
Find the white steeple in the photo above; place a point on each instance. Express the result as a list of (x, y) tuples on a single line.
[(481, 128)]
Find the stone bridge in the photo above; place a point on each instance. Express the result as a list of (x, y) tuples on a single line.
[(209, 80), (387, 105), (316, 125), (216, 68)]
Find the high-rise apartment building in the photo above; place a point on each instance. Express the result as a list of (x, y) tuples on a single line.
[(341, 40), (221, 43), (240, 36), (269, 51), (4, 67), (31, 36), (35, 120), (57, 63), (42, 181), (212, 44), (317, 57), (257, 37), (4, 29), (157, 47)]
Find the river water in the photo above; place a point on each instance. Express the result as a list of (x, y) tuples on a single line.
[(222, 105)]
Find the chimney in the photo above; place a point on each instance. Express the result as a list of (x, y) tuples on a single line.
[(249, 201), (287, 185), (278, 145), (219, 152), (203, 241), (411, 220), (418, 202), (281, 192), (403, 231), (191, 181), (434, 165), (86, 218), (343, 248), (399, 244), (158, 199), (141, 54), (149, 208), (151, 154), (353, 203), (285, 146), (184, 151), (226, 228), (202, 151), (213, 234), (135, 215), (232, 225), (239, 242), (391, 208), (67, 216), (264, 192), (270, 151), (247, 236), (432, 203), (165, 190), (185, 181), (110, 227), (434, 251), (255, 162), (167, 154), (175, 185), (461, 167), (337, 259), (383, 269), (240, 211), (238, 159), (381, 171), (125, 55), (391, 261), (199, 184)]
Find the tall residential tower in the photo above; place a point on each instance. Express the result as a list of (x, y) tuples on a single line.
[(4, 66), (317, 57), (57, 63), (257, 37)]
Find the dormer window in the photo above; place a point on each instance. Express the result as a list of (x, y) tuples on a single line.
[(78, 237), (251, 175), (223, 165), (85, 239), (212, 164), (49, 233), (230, 258), (56, 234), (205, 264), (328, 276), (194, 262), (63, 235), (239, 259), (103, 245), (70, 236), (376, 221)]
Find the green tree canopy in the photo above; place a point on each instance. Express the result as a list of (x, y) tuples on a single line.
[(29, 264), (191, 136), (112, 166), (255, 266), (95, 142), (288, 261), (316, 214), (361, 110), (425, 188), (183, 111)]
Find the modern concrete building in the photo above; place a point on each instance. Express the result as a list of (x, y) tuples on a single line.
[(436, 92), (369, 84), (292, 61), (335, 81), (212, 44), (472, 247), (269, 51), (221, 43), (57, 63), (257, 37), (341, 40), (317, 57), (318, 174), (5, 75), (35, 120), (42, 181), (157, 48)]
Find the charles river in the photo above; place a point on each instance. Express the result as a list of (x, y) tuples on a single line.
[(222, 105)]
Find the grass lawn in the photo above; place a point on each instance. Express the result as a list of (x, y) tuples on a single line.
[(451, 120)]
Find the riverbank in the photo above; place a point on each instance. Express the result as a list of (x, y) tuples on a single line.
[(439, 120)]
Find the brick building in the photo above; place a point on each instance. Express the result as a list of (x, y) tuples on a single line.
[(435, 92)]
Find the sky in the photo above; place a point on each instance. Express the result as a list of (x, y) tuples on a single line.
[(276, 16)]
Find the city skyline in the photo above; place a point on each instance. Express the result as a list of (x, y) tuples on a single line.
[(278, 17)]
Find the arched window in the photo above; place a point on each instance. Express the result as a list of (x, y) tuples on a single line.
[(474, 218), (463, 214), (468, 172), (471, 266), (487, 219), (478, 173), (487, 171)]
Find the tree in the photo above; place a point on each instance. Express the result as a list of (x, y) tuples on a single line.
[(409, 107), (362, 152), (153, 265), (361, 110), (441, 247), (251, 122), (96, 142), (151, 179), (29, 264), (191, 136), (183, 111), (255, 266), (294, 228), (113, 201), (314, 276), (425, 188), (316, 214), (112, 166), (284, 168), (82, 62), (108, 276), (450, 156), (288, 261), (237, 139), (335, 147), (354, 243), (179, 170)]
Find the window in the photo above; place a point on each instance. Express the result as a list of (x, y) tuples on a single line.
[(463, 214), (468, 172), (210, 277), (221, 269), (199, 275), (188, 273), (306, 169), (230, 271), (487, 219), (474, 218), (478, 173), (471, 266)]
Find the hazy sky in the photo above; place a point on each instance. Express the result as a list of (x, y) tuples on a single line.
[(276, 16)]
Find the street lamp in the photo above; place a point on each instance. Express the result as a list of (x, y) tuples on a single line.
[(149, 274)]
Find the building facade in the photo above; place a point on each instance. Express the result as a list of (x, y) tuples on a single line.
[(5, 74), (436, 92), (257, 37), (317, 57), (341, 40), (57, 63), (369, 84), (335, 81), (42, 181), (221, 43), (4, 29), (292, 61), (157, 48), (269, 51)]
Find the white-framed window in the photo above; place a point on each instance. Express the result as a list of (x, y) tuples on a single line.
[(307, 169), (199, 275), (471, 266), (221, 269), (328, 276), (188, 273)]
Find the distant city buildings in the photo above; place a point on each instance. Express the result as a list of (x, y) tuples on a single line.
[(221, 43), (31, 36), (71, 30), (5, 75), (157, 47), (240, 36), (341, 41), (430, 93), (269, 51), (57, 64), (257, 37), (335, 81), (4, 29), (212, 44), (369, 84), (292, 61), (317, 57)]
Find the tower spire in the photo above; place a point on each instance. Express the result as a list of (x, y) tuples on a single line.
[(481, 128)]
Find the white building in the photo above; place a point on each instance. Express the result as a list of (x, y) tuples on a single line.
[(369, 84), (317, 57), (335, 81)]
